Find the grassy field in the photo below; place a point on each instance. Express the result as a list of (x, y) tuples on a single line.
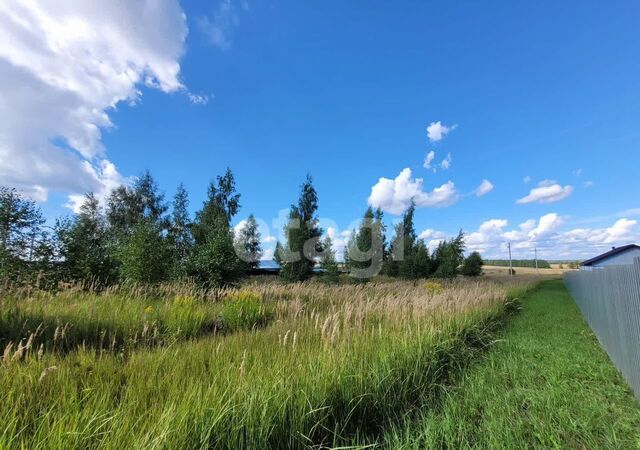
[(268, 366), (545, 384)]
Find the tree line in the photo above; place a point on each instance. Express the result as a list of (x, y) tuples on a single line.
[(139, 236)]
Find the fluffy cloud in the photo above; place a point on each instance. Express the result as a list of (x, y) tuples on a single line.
[(430, 233), (485, 187), (546, 225), (545, 234), (588, 184), (548, 191), (621, 231), (428, 159), (432, 238), (436, 131), (63, 66), (394, 196), (267, 255), (340, 240)]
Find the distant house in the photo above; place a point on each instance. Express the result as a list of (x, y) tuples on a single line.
[(266, 267), (271, 267), (615, 257)]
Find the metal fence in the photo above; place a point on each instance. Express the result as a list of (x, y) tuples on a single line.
[(610, 302)]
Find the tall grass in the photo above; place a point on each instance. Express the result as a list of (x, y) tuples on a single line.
[(335, 365)]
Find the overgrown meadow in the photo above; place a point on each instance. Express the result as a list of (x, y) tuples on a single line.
[(267, 365)]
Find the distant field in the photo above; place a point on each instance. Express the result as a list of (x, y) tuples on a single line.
[(542, 264), (499, 271)]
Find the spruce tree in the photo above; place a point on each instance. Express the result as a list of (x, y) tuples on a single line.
[(449, 256), (367, 249), (407, 266), (472, 266), (421, 261)]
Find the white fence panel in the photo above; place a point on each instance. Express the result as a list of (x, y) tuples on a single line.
[(610, 302)]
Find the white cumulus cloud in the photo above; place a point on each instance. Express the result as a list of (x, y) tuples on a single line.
[(432, 238), (485, 187), (546, 235), (63, 66), (436, 131), (394, 196), (548, 191), (340, 240)]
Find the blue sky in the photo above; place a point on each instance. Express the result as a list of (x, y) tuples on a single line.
[(541, 99)]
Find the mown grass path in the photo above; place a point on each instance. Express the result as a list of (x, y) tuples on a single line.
[(545, 384)]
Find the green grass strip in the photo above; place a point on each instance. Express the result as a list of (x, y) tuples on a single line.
[(546, 384)]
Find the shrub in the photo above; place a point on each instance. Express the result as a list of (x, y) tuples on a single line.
[(472, 266), (214, 262), (144, 254)]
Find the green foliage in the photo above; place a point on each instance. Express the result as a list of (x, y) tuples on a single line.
[(213, 261), (244, 310), (472, 266), (408, 256), (85, 246), (144, 254), (421, 261), (366, 249), (180, 237), (277, 254), (222, 200), (247, 243), (127, 207), (303, 236), (405, 246), (21, 224), (328, 262), (449, 256), (137, 231)]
